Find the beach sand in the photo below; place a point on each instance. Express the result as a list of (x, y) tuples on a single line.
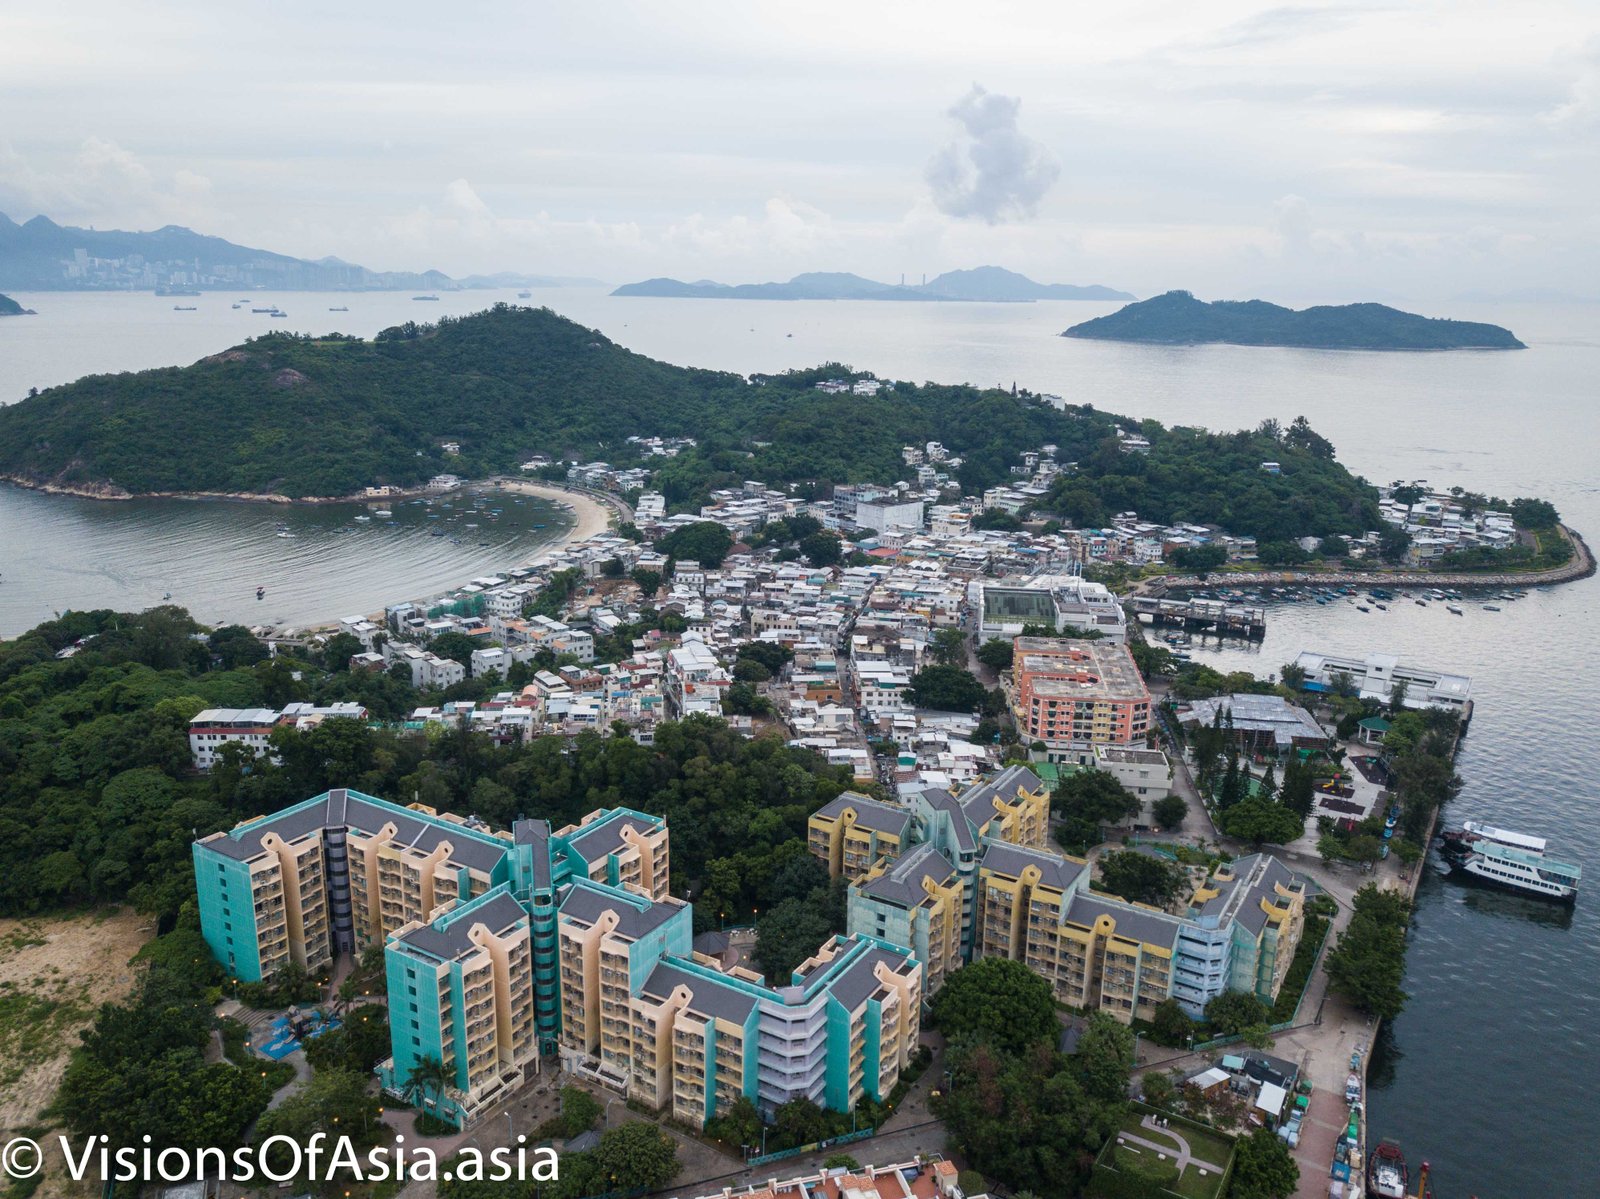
[(593, 517)]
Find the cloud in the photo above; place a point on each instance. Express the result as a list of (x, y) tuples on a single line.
[(993, 171), (1275, 25), (1581, 110), (1292, 223), (103, 183)]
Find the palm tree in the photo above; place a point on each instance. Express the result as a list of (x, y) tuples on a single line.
[(430, 1077)]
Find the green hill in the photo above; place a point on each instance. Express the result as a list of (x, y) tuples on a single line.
[(284, 414), (1177, 318)]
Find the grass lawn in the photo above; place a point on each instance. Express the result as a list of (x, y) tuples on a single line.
[(1203, 1144)]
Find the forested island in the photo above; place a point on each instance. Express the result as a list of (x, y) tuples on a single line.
[(1177, 318), (298, 417), (9, 307), (984, 283)]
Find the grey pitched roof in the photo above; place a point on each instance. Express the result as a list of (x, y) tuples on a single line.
[(712, 997), (901, 884), (604, 836), (870, 814), (941, 800), (858, 981), (537, 834), (1054, 871), (636, 915), (1133, 922), (446, 938), (978, 801)]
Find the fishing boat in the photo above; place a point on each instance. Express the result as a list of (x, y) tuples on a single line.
[(1491, 608), (1453, 609), (363, 517), (382, 512), (341, 308), (1362, 608), (260, 592), (1387, 1175), (184, 308)]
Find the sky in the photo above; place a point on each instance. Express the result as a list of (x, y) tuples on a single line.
[(1321, 150)]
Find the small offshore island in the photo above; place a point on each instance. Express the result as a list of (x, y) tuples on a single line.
[(9, 307), (1177, 318)]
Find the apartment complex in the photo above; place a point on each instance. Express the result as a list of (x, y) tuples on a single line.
[(1075, 695), (969, 876), (467, 916), (499, 946)]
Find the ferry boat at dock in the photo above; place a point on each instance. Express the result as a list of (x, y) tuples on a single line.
[(1511, 861)]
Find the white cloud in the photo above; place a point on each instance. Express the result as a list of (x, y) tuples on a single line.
[(993, 171)]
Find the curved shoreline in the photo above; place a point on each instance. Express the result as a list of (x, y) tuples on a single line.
[(1581, 566)]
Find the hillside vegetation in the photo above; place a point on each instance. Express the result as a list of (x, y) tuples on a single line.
[(290, 415), (1177, 318)]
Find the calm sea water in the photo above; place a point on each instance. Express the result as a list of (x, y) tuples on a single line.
[(1486, 1072)]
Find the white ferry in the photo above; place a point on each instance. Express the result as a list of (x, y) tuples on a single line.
[(1512, 861)]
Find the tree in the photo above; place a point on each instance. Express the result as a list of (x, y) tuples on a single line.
[(1159, 1091), (1333, 547), (1234, 1011), (999, 1002), (1139, 877), (1262, 822), (1263, 1167), (949, 647), (237, 646), (612, 568), (822, 549), (997, 653), (1393, 542), (637, 1156), (429, 1078), (649, 581), (947, 689), (1171, 1024), (1104, 1057), (1368, 963), (739, 1125), (1085, 801), (704, 541), (339, 649), (1169, 811), (457, 647), (787, 935), (1198, 558)]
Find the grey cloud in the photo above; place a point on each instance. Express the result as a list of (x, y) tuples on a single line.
[(993, 171)]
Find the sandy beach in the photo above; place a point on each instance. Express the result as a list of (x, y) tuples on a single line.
[(592, 515)]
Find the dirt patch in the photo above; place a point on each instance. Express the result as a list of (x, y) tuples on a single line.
[(54, 973)]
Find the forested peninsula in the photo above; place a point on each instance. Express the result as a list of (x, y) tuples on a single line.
[(1177, 318), (299, 417)]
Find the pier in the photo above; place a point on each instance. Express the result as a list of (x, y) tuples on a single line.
[(1204, 615)]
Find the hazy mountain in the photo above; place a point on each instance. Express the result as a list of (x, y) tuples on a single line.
[(43, 256), (1177, 318), (987, 283)]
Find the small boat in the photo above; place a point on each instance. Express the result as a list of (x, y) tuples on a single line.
[(166, 597), (363, 518), (1452, 608), (341, 308), (435, 298), (1362, 608), (1387, 1175), (238, 305), (278, 315), (284, 533), (524, 295), (1381, 607), (266, 310), (1491, 608), (184, 308), (1421, 603), (382, 512), (260, 591)]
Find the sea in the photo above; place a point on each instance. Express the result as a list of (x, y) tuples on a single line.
[(1485, 1073)]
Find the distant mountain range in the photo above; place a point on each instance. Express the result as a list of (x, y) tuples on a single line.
[(44, 256), (1177, 318), (990, 283)]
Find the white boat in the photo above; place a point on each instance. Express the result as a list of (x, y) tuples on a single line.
[(382, 512), (363, 517), (1511, 861), (1453, 608)]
